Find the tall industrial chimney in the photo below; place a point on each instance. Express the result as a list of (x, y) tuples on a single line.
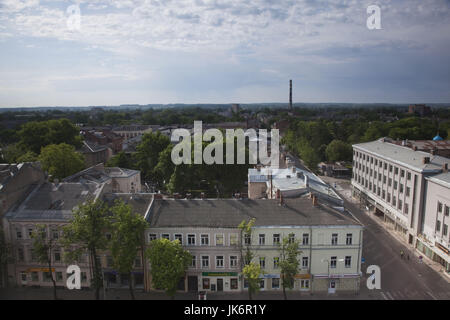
[(290, 94)]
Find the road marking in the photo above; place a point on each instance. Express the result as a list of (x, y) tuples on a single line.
[(384, 296), (390, 296), (432, 295)]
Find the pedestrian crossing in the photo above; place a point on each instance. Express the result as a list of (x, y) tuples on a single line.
[(414, 295)]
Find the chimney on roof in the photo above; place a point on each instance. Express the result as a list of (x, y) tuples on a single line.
[(290, 94), (426, 160)]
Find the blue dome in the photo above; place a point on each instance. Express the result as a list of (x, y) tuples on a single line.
[(437, 138)]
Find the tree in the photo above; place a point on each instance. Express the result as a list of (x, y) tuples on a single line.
[(169, 262), (120, 160), (127, 238), (338, 150), (247, 256), (35, 135), (252, 273), (85, 233), (148, 151), (165, 167), (43, 249), (289, 264), (61, 160)]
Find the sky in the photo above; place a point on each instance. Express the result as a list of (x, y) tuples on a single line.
[(222, 51)]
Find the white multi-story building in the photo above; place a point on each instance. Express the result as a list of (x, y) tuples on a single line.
[(331, 241), (400, 184)]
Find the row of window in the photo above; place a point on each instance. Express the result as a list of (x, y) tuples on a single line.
[(191, 239), (47, 277), (204, 261), (54, 233), (446, 210), (366, 159), (373, 187), (305, 239)]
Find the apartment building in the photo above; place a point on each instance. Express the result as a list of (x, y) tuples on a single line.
[(434, 241), (397, 183), (330, 251)]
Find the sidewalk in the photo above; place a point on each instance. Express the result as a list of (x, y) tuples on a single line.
[(342, 187)]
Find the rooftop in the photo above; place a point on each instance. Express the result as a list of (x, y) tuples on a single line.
[(403, 155), (229, 213), (51, 201), (443, 179), (139, 202)]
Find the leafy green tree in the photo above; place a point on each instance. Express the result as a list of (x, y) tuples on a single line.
[(120, 160), (61, 160), (29, 156), (85, 233), (289, 263), (148, 151), (247, 256), (252, 273), (127, 238), (165, 167), (37, 134), (338, 150), (169, 262), (43, 248)]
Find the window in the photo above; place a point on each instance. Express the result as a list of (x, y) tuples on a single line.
[(348, 239), (333, 262), (165, 236), (261, 284), (384, 194), (151, 237), (445, 230), (108, 236), (275, 283), (304, 284), (406, 209), (262, 262), (291, 238), (408, 191), (402, 173), (348, 261), (233, 239), (395, 185), (262, 239), (388, 197), (193, 262), (205, 283), (233, 283), (29, 232), (219, 240), (247, 239), (390, 182), (390, 168), (305, 262), (55, 234), (446, 210), (438, 225), (305, 239), (57, 256), (179, 237), (396, 170), (384, 179), (191, 239), (394, 201), (204, 239), (18, 233), (205, 261), (334, 239), (83, 277), (439, 207), (47, 276), (59, 276), (276, 262), (401, 188), (20, 255), (233, 261), (276, 238), (219, 261), (34, 276)]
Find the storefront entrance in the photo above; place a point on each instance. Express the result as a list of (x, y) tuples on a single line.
[(219, 285), (192, 283)]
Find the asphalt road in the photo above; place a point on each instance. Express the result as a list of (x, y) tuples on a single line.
[(401, 279)]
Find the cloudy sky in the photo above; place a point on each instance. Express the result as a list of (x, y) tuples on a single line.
[(222, 51)]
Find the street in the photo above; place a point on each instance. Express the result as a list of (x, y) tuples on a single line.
[(401, 279)]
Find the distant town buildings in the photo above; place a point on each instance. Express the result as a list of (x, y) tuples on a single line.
[(410, 189), (419, 109)]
